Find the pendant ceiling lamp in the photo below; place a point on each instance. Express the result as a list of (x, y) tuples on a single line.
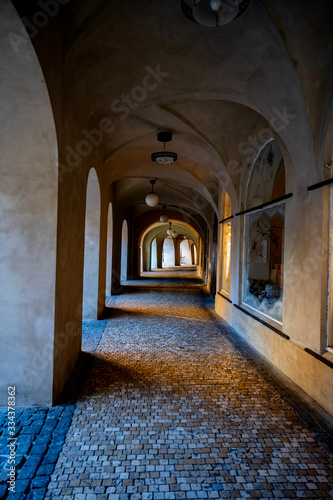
[(213, 13), (152, 198), (170, 231), (164, 218), (164, 157)]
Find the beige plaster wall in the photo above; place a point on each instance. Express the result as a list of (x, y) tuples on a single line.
[(91, 248), (70, 257), (307, 372), (304, 289), (28, 207)]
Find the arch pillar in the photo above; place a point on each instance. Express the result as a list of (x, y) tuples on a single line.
[(28, 205), (160, 241), (177, 251)]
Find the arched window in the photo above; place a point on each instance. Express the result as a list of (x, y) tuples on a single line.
[(168, 255), (226, 244), (264, 234), (153, 254), (185, 252)]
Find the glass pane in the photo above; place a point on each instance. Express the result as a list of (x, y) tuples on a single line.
[(263, 276), (227, 206), (268, 176), (226, 256)]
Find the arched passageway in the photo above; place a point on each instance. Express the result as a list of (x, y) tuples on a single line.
[(263, 137), (168, 256), (175, 376), (157, 248), (185, 253)]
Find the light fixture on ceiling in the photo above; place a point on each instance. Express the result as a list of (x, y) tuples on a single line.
[(164, 157), (152, 198), (170, 231), (174, 234), (215, 4), (213, 13), (164, 218)]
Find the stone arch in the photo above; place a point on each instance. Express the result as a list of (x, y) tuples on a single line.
[(158, 230), (185, 252), (109, 243), (91, 248), (124, 251), (267, 169), (28, 206)]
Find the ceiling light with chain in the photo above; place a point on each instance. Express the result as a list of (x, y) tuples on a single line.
[(164, 218), (152, 198), (164, 157), (170, 231)]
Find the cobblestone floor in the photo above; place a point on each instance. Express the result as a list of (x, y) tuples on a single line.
[(40, 435), (173, 410)]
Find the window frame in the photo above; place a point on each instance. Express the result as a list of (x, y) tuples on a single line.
[(245, 263)]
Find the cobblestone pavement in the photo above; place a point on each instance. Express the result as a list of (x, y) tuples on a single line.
[(40, 435), (173, 410)]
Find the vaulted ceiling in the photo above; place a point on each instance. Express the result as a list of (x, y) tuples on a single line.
[(217, 87)]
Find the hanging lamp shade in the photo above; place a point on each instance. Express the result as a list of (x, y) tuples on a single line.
[(213, 13), (164, 157), (152, 198), (164, 218), (170, 231)]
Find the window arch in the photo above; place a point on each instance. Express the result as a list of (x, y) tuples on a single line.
[(153, 254), (168, 255), (185, 252), (264, 234), (267, 179)]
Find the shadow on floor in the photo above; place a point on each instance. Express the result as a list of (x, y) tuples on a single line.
[(83, 383)]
